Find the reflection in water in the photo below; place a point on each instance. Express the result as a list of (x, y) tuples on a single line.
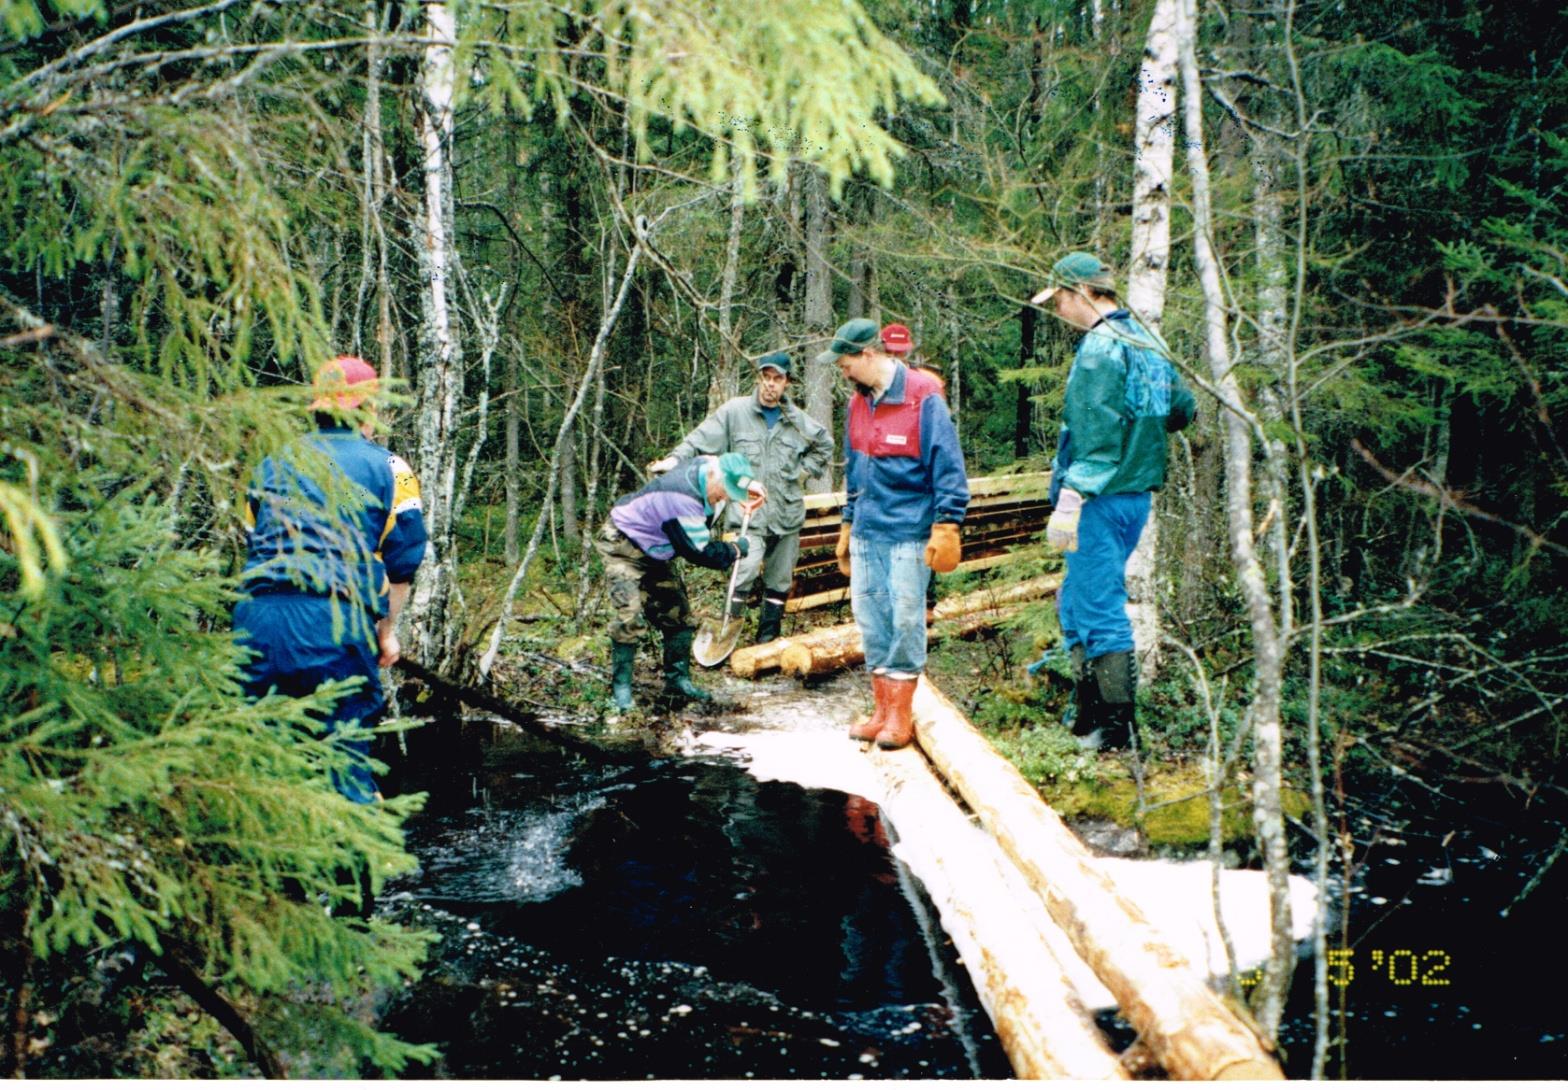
[(682, 920)]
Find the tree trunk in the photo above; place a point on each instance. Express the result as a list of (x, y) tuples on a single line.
[(819, 311), (568, 487), (1273, 276), (1154, 138), (1267, 641), (440, 378), (1101, 172), (726, 369), (997, 929), (370, 154), (514, 429), (1023, 411)]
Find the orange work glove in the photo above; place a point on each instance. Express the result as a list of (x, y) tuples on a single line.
[(841, 550), (942, 550)]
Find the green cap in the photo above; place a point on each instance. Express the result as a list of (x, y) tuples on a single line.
[(1077, 270), (736, 470), (855, 335), (779, 361)]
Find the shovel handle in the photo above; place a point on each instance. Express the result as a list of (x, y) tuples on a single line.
[(745, 521)]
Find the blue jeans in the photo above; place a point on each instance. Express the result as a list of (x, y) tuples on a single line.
[(887, 588), (1092, 604)]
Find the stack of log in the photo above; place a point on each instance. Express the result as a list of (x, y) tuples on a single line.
[(824, 650), (1005, 514)]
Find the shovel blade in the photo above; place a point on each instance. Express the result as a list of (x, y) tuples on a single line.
[(714, 642)]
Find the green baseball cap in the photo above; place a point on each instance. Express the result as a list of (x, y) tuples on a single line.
[(853, 336), (1077, 270), (736, 471), (779, 361)]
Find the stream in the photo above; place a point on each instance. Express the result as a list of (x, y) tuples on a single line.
[(681, 918)]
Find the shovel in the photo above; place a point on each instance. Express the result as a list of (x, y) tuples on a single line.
[(715, 640)]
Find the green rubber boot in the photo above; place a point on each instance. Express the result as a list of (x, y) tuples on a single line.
[(623, 656), (678, 687)]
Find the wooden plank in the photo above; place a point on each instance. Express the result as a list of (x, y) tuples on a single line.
[(1190, 1030)]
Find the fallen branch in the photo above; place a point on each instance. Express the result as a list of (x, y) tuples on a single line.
[(185, 977), (478, 698)]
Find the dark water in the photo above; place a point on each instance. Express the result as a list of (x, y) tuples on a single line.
[(681, 920), (673, 920), (1429, 979)]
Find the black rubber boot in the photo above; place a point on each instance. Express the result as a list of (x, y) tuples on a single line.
[(623, 656), (1115, 677), (678, 687), (769, 623), (1083, 715)]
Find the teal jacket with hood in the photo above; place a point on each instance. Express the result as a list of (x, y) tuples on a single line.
[(1123, 398)]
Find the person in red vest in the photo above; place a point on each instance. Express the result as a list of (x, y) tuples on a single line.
[(897, 341), (905, 494)]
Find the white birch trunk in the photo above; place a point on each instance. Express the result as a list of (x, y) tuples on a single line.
[(440, 377), (1101, 204), (1154, 137), (1268, 647)]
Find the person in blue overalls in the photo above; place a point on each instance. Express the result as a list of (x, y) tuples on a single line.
[(336, 532), (1123, 397)]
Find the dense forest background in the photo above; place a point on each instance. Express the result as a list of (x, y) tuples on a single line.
[(566, 228)]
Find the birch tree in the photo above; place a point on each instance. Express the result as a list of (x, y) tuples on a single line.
[(1241, 429), (1154, 138), (440, 366)]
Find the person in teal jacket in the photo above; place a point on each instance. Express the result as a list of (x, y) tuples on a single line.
[(1123, 399)]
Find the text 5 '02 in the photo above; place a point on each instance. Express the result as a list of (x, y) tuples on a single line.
[(1402, 968)]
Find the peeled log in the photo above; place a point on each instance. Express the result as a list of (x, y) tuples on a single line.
[(995, 925), (839, 647), (1187, 1026), (759, 658)]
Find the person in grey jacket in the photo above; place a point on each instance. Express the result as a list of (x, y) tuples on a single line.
[(786, 447)]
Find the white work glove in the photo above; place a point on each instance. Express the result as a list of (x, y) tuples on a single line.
[(756, 496), (1062, 531), (663, 465)]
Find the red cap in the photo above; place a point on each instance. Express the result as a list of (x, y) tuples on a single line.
[(896, 340), (346, 382)]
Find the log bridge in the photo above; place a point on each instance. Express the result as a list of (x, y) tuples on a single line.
[(1018, 892)]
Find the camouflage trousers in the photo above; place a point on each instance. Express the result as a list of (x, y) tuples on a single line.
[(643, 590)]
